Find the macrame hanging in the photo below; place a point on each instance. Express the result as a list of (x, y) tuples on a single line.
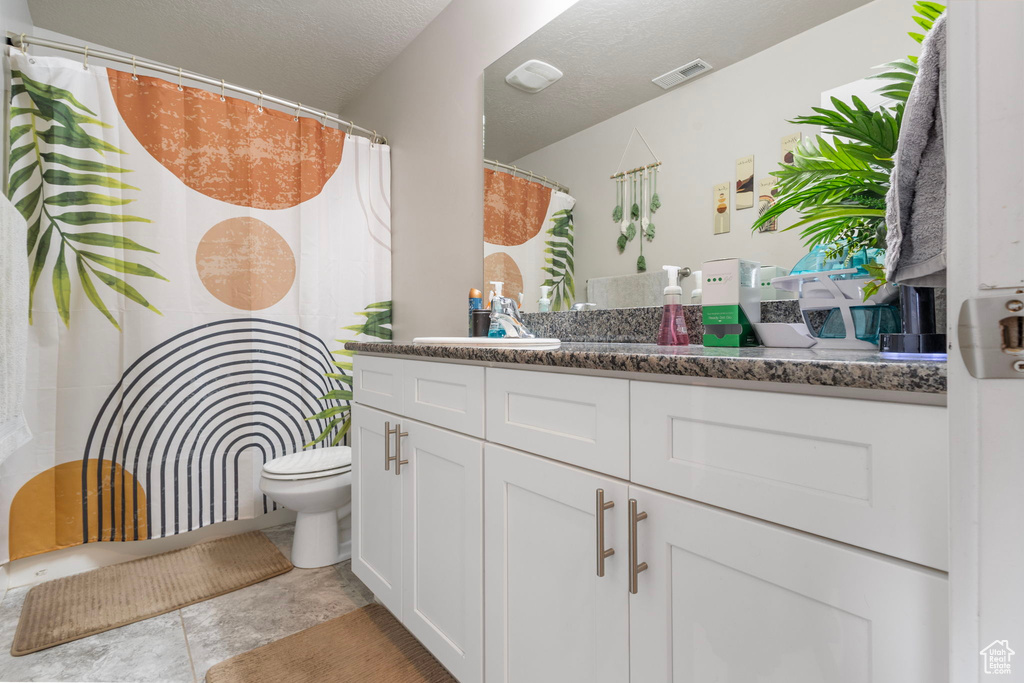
[(637, 191)]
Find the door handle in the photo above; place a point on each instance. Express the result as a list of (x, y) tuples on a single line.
[(634, 567), (398, 449), (388, 431), (602, 553)]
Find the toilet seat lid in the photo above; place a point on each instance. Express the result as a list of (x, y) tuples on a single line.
[(318, 461)]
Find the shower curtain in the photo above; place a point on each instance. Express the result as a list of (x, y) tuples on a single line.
[(194, 262), (528, 239)]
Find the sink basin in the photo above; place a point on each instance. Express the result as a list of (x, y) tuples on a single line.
[(490, 342)]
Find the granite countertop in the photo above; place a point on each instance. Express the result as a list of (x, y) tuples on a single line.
[(825, 367)]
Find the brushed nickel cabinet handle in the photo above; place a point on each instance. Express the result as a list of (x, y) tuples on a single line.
[(398, 449), (388, 431), (602, 553), (634, 567)]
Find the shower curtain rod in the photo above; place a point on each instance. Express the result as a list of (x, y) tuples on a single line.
[(516, 170), (20, 40)]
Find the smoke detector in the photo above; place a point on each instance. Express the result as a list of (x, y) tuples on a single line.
[(533, 76), (683, 73)]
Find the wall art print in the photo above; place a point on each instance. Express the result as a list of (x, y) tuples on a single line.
[(193, 260), (788, 144), (766, 192), (720, 208), (745, 183)]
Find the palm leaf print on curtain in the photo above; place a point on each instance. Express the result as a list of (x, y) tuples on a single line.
[(198, 255), (377, 325), (528, 239), (43, 116)]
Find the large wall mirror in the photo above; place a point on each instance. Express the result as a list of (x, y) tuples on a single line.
[(705, 139)]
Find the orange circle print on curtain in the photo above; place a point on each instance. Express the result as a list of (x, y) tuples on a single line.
[(228, 150), (245, 263), (514, 209), (500, 267)]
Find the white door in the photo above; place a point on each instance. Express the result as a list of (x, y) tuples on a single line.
[(550, 618), (728, 598), (443, 546), (376, 507), (985, 246)]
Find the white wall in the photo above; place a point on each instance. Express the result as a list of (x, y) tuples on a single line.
[(699, 129), (14, 17), (429, 102)]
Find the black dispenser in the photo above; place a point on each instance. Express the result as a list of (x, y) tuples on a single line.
[(917, 312)]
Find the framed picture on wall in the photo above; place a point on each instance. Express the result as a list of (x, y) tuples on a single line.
[(720, 205), (766, 191), (745, 183), (790, 143)]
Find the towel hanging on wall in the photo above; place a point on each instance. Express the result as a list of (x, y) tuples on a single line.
[(916, 202)]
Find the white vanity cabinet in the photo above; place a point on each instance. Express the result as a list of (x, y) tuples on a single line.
[(550, 618), (604, 529), (417, 531), (728, 598)]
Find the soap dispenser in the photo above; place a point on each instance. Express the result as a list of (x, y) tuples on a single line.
[(496, 329), (544, 302), (673, 324)]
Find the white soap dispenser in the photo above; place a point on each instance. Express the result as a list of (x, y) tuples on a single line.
[(496, 330), (544, 302)]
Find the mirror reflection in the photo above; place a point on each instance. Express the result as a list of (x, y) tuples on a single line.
[(621, 138)]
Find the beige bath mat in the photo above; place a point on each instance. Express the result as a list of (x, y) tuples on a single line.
[(364, 646), (85, 604)]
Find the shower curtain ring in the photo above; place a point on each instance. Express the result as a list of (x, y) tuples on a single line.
[(259, 105), (222, 99), (180, 89), (21, 43), (85, 62), (298, 108), (135, 72), (351, 127), (323, 120), (375, 137)]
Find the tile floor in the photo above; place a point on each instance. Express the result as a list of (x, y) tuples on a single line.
[(179, 647)]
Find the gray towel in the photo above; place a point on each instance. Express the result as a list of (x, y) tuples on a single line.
[(916, 204), (14, 430)]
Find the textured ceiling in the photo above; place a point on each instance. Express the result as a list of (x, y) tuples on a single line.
[(318, 52), (609, 50)]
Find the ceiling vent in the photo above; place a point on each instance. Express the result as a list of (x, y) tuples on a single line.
[(683, 73)]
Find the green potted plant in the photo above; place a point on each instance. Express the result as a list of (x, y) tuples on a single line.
[(838, 187)]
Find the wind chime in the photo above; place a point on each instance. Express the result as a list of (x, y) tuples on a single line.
[(636, 201)]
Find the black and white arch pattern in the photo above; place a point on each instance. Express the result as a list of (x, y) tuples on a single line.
[(195, 418)]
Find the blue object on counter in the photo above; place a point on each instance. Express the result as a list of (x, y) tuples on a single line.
[(869, 323), (817, 261)]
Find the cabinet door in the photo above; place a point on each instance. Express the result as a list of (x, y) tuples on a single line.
[(549, 617), (443, 546), (376, 508), (729, 598)]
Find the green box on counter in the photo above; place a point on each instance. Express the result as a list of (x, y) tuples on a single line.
[(731, 302), (727, 326)]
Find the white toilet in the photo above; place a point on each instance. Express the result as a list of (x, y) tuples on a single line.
[(317, 484)]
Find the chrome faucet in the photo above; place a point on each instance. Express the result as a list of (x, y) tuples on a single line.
[(507, 314), (582, 306)]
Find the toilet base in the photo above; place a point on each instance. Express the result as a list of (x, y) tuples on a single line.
[(316, 541)]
